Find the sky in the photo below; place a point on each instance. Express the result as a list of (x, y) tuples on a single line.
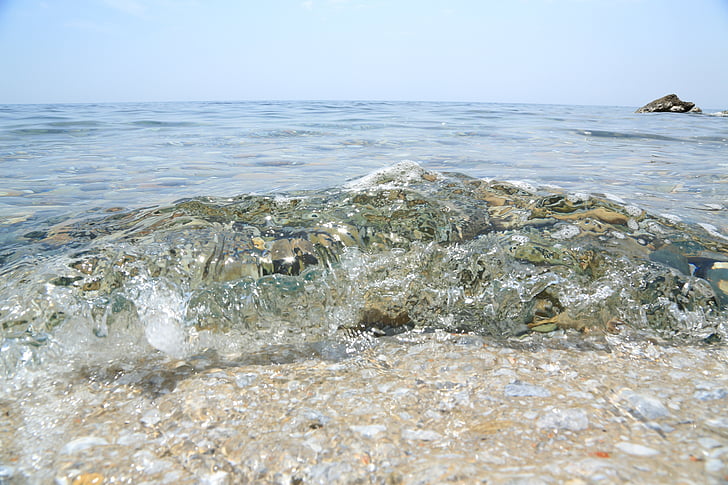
[(589, 52)]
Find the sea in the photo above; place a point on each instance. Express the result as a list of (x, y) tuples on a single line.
[(138, 229)]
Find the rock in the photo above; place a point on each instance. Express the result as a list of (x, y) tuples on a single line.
[(245, 379), (6, 473), (671, 104), (151, 417), (636, 450), (82, 443), (710, 395), (647, 407), (370, 430), (709, 443), (522, 389), (571, 419), (420, 435), (714, 465)]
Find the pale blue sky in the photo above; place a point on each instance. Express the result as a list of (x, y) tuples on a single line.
[(601, 52)]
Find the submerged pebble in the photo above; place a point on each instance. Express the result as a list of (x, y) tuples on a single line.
[(523, 389), (705, 395), (636, 449), (646, 406), (83, 443), (571, 419)]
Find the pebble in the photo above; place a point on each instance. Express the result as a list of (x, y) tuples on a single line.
[(648, 407), (709, 443), (6, 472), (369, 431), (712, 395), (714, 465), (636, 450), (82, 443), (717, 423), (522, 389), (421, 434), (151, 417), (326, 473), (244, 380), (571, 419)]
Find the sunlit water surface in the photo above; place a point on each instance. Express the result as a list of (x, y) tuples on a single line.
[(62, 164)]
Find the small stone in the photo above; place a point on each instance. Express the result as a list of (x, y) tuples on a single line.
[(646, 406), (6, 472), (636, 450), (151, 417), (82, 443), (522, 389), (720, 423), (709, 443), (420, 434), (571, 419), (370, 430), (244, 380), (714, 465), (89, 479), (718, 452), (329, 472), (710, 395), (216, 478), (470, 341)]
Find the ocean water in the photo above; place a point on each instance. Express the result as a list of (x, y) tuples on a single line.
[(179, 227), (61, 160)]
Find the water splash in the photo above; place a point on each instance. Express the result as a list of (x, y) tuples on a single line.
[(403, 247)]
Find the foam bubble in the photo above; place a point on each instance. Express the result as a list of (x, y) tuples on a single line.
[(161, 309), (399, 174)]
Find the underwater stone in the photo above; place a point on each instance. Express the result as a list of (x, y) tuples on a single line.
[(570, 419), (522, 389), (420, 435), (648, 407), (83, 443), (703, 395), (370, 430), (636, 450)]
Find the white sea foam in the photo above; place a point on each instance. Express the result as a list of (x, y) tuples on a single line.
[(566, 231), (397, 175), (161, 308), (712, 230)]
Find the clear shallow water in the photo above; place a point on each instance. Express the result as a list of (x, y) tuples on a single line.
[(85, 272), (62, 160)]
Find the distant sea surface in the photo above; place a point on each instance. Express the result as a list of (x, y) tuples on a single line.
[(66, 160)]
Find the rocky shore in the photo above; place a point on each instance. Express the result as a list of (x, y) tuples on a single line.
[(417, 408)]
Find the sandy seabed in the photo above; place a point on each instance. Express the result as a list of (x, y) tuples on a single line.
[(413, 409)]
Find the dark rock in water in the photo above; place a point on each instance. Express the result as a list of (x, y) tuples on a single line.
[(670, 104)]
